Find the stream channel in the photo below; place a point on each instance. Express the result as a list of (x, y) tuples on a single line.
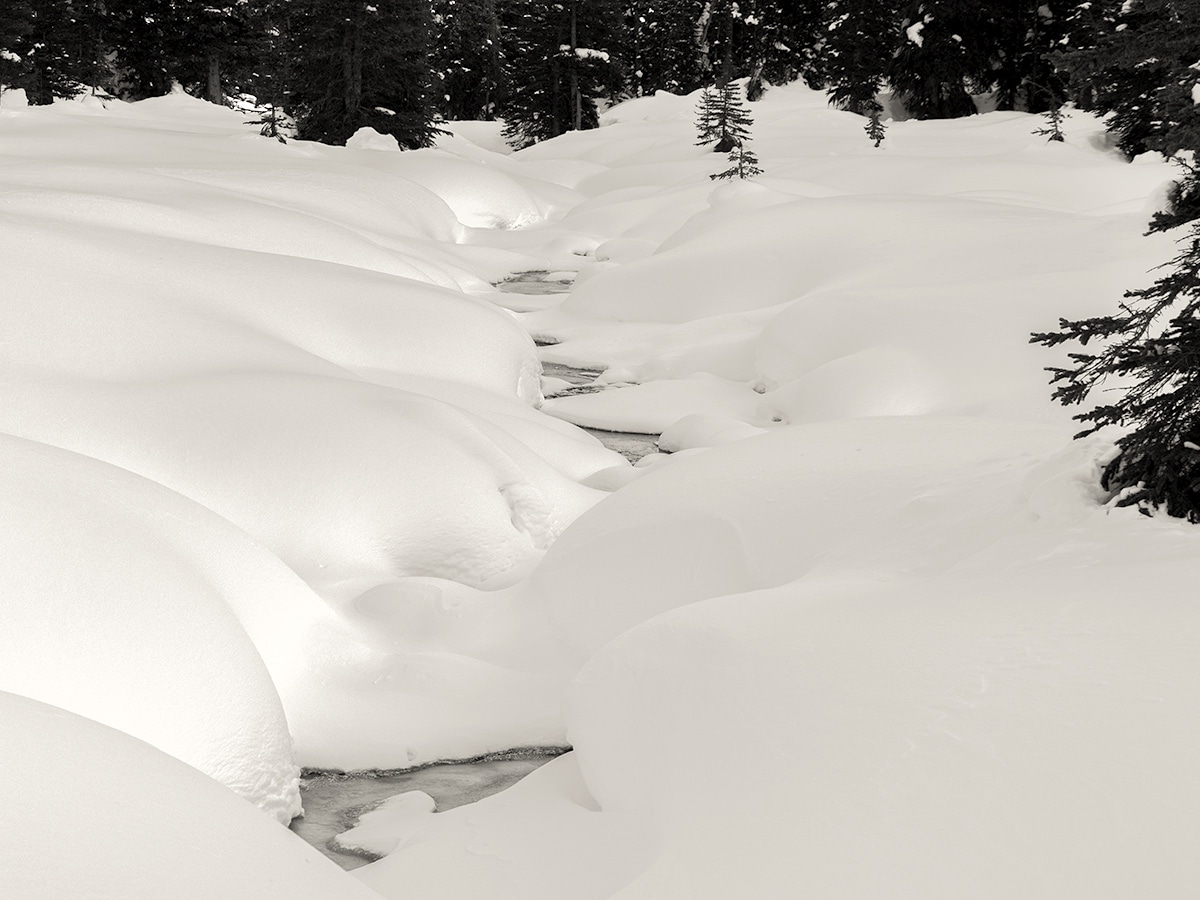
[(334, 801)]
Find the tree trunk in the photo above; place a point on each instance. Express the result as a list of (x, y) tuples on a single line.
[(576, 97), (213, 93), (700, 38)]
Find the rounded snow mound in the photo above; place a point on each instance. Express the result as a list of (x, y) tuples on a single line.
[(117, 611), (165, 830)]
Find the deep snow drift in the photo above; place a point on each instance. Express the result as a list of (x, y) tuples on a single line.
[(871, 631)]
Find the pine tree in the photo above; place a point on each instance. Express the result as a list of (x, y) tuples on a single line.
[(61, 49), (782, 37), (743, 164), (1140, 73), (1053, 128), (1155, 342), (944, 56), (560, 59), (466, 58), (143, 34), (661, 54), (270, 76), (16, 22), (361, 63), (1027, 35), (722, 119), (860, 41), (875, 129)]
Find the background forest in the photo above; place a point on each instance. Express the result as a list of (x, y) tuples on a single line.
[(400, 66)]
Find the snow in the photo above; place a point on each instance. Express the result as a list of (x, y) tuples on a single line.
[(869, 629), (91, 812), (379, 831)]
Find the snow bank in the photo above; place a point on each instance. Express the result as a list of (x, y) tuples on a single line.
[(1018, 724), (120, 610), (282, 335), (90, 812), (543, 837)]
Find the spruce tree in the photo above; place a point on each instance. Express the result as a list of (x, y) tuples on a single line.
[(16, 22), (61, 49), (860, 41), (1139, 69), (560, 59), (660, 50), (742, 164), (1027, 35), (360, 63), (944, 55), (722, 119), (875, 129), (466, 58), (1154, 342), (782, 40)]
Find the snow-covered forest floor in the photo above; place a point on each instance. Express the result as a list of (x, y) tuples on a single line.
[(279, 488)]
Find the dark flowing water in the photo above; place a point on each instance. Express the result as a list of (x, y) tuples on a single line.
[(333, 801)]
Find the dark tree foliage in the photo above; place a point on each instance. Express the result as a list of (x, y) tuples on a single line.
[(660, 49), (780, 40), (1138, 69), (146, 37), (1154, 342), (944, 55), (467, 67), (269, 78), (361, 64), (1027, 33), (63, 55), (860, 41), (561, 59), (16, 22)]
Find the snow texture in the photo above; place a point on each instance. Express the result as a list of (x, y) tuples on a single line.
[(870, 630)]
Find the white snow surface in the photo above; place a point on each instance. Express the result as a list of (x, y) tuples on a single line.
[(871, 631), (91, 812)]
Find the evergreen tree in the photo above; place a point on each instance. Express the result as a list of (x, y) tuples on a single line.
[(722, 119), (359, 63), (860, 40), (743, 164), (218, 54), (144, 35), (1135, 64), (16, 22), (782, 37), (61, 49), (559, 61), (1155, 342), (1053, 127), (466, 58), (270, 76), (1028, 33), (876, 132), (944, 55), (660, 48)]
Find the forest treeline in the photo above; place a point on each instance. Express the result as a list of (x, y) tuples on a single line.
[(400, 66)]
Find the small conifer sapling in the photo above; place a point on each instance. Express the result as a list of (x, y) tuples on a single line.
[(1053, 128), (875, 129), (743, 164)]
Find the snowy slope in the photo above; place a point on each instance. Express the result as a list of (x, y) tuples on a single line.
[(873, 631)]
